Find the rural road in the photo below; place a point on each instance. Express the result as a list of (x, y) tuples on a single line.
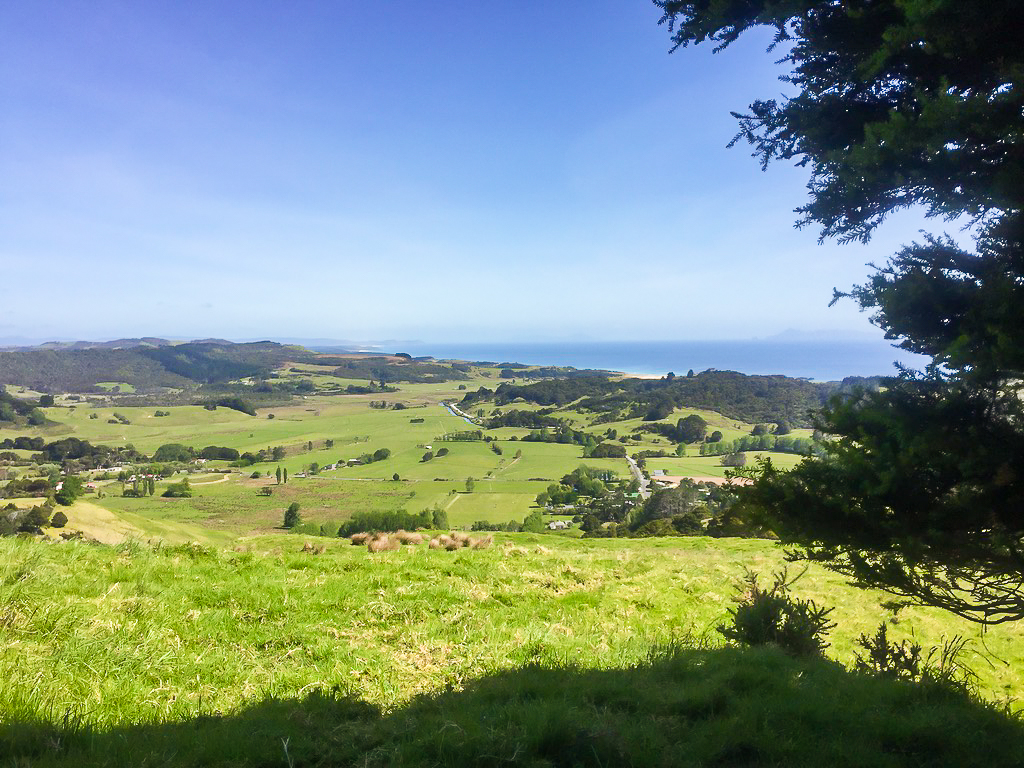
[(645, 491)]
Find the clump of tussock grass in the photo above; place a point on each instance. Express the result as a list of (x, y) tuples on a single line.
[(383, 543), (406, 537)]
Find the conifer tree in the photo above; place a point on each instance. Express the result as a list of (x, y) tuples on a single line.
[(900, 104)]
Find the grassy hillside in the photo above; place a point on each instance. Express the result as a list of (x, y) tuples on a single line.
[(185, 654)]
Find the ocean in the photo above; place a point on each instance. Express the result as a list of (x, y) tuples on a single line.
[(816, 360)]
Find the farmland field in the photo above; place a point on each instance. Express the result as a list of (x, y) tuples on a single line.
[(203, 611)]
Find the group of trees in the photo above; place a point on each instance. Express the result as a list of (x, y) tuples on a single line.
[(801, 445), (15, 520), (582, 481), (901, 104), (735, 395), (689, 429)]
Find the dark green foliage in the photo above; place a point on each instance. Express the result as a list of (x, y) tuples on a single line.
[(800, 445), (528, 419), (734, 460), (534, 523), (292, 516), (174, 452), (215, 452), (427, 456), (735, 395), (72, 487), (80, 452), (180, 489), (899, 104), (681, 507), (509, 527), (46, 401), (364, 522), (438, 518), (441, 452), (59, 519), (24, 486), (378, 368), (774, 617), (381, 454), (236, 404), (36, 517), (608, 451)]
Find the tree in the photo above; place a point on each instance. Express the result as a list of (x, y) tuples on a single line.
[(71, 488), (691, 429), (181, 490), (46, 400), (292, 516), (277, 453), (278, 475), (903, 103), (470, 484), (285, 475)]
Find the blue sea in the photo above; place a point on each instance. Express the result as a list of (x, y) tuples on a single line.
[(816, 360)]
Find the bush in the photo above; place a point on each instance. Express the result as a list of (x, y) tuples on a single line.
[(180, 490), (772, 617), (59, 519), (734, 460), (292, 516)]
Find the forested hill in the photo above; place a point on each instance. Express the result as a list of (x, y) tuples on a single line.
[(151, 364), (145, 366), (735, 395)]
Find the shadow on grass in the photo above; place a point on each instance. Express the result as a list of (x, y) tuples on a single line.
[(726, 707)]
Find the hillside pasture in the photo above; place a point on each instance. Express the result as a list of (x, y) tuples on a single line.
[(112, 639)]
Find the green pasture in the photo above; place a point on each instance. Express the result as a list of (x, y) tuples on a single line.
[(114, 636), (120, 386)]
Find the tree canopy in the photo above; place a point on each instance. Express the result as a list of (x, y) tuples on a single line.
[(899, 104)]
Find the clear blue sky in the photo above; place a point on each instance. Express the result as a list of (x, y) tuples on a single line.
[(367, 170)]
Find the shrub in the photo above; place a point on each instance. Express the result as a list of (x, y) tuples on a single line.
[(772, 617), (292, 516), (886, 659), (734, 460), (59, 519), (180, 490), (903, 661), (442, 452)]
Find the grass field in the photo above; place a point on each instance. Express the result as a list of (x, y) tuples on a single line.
[(100, 645), (206, 636)]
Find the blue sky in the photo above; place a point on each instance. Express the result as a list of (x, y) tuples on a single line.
[(444, 171)]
